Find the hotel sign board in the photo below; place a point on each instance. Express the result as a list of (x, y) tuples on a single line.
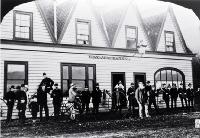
[(105, 57)]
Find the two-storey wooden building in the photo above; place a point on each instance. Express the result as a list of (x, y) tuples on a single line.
[(75, 41)]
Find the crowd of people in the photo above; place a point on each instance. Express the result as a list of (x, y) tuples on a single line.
[(143, 96)]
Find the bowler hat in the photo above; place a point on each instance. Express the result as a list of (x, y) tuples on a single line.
[(148, 81), (56, 84), (189, 84), (18, 87), (132, 83), (22, 85), (12, 86), (44, 74)]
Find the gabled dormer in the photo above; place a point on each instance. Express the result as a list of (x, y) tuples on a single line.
[(165, 34)]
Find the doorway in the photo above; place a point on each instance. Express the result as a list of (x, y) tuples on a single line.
[(139, 77), (116, 77)]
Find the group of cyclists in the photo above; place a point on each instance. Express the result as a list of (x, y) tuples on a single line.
[(143, 96)]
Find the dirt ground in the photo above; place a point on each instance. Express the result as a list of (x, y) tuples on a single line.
[(109, 125)]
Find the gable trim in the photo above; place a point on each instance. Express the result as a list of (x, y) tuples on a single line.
[(46, 23), (67, 21), (161, 30)]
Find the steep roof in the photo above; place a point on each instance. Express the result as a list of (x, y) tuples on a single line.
[(153, 25), (63, 14)]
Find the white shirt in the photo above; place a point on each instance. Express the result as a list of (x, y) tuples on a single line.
[(72, 94)]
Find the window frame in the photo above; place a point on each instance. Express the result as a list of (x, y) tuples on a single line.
[(6, 63), (70, 73), (131, 27), (170, 69), (76, 28), (31, 25), (174, 47)]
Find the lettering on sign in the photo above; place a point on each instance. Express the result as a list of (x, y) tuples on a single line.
[(108, 57)]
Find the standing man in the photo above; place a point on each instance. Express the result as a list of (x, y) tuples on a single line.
[(22, 102), (47, 82), (141, 96), (152, 98), (148, 87), (174, 95), (10, 98), (42, 101), (131, 97), (190, 96), (182, 95), (165, 92), (96, 99), (86, 99), (57, 100)]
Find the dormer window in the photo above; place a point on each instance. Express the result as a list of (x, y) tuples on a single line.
[(131, 37), (23, 25), (83, 32), (169, 41)]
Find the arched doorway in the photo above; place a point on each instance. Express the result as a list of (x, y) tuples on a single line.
[(169, 75)]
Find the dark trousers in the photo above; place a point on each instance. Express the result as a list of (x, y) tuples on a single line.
[(9, 112), (185, 100), (152, 101), (167, 103), (85, 105), (95, 107), (173, 102), (34, 114), (21, 115), (56, 109), (132, 102), (190, 102), (46, 111)]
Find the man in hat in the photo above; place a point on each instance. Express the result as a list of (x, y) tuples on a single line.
[(141, 96), (96, 99), (57, 100), (42, 101), (165, 92), (85, 99), (131, 97), (10, 98), (152, 98), (22, 102), (174, 95), (190, 96), (182, 94), (47, 82)]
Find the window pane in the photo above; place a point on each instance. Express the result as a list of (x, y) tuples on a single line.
[(78, 72), (14, 82), (157, 76), (131, 33), (179, 77), (90, 72), (16, 71), (163, 75), (169, 75), (174, 75), (131, 44), (80, 84), (90, 85), (158, 84), (65, 86), (65, 72)]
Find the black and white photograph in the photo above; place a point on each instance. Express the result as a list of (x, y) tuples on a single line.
[(100, 68)]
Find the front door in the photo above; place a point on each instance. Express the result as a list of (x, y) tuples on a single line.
[(116, 77), (139, 77)]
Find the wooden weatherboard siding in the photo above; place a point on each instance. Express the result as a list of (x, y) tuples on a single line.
[(48, 59), (40, 33)]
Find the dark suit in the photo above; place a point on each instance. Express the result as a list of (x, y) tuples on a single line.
[(190, 96), (85, 98), (182, 95), (42, 101), (174, 96), (48, 83), (57, 100), (21, 105), (166, 96), (96, 99), (131, 98), (10, 98)]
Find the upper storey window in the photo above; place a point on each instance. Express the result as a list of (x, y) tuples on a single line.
[(23, 25), (131, 37), (83, 32), (169, 41)]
